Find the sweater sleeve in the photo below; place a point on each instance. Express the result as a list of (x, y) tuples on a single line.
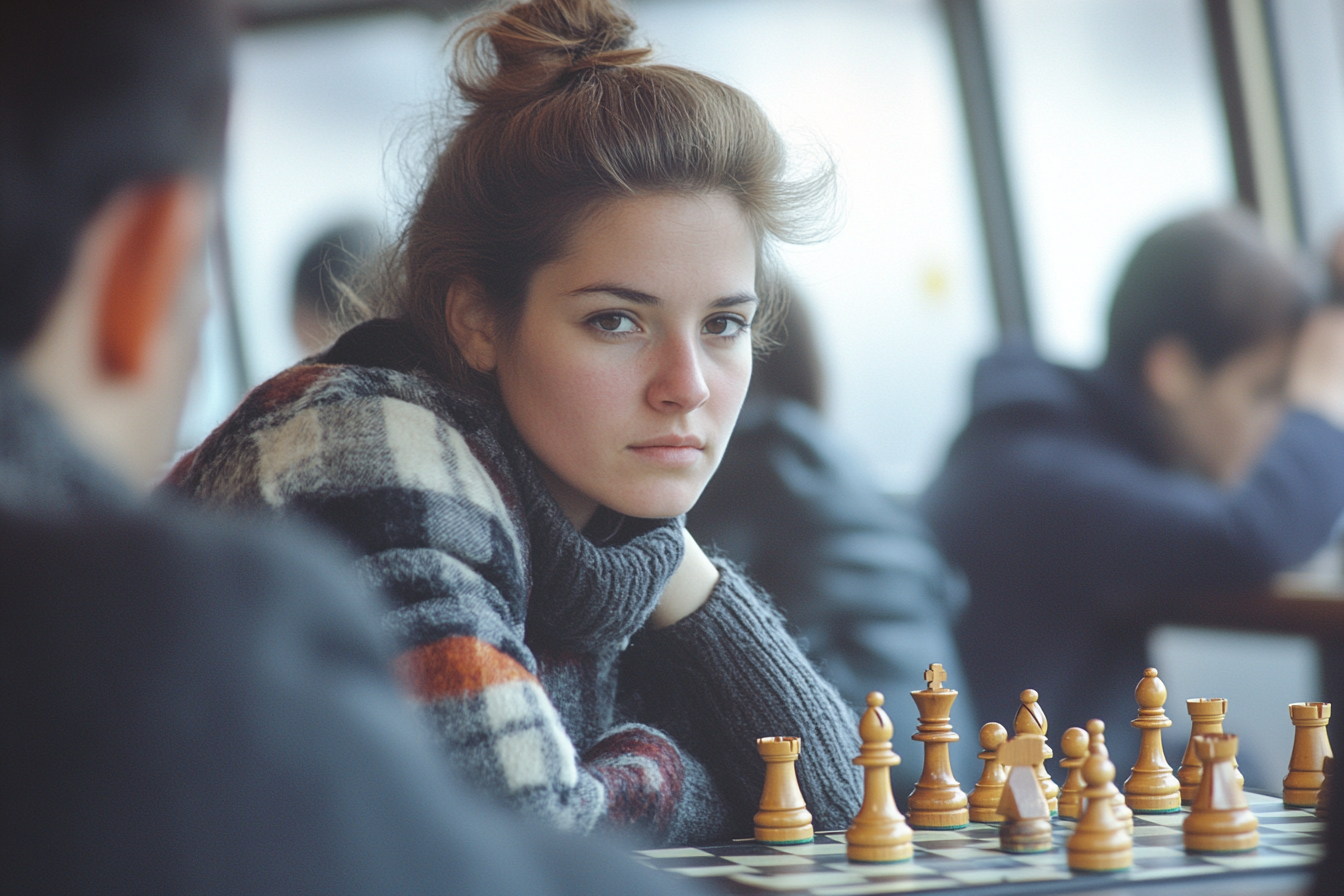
[(1051, 505), (730, 673)]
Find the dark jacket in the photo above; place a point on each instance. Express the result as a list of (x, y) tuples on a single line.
[(198, 705), (856, 574), (1076, 539)]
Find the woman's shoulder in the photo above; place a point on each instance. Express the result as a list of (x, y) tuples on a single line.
[(330, 409)]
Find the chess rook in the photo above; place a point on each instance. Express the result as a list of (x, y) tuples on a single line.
[(1327, 784), (937, 802), (1151, 787), (1074, 743), (783, 817), (879, 832), (1206, 717), (1220, 819), (984, 799), (1026, 815), (1031, 719), (1307, 762), (1100, 842), (1096, 742)]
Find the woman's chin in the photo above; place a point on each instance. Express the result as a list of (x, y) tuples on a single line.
[(664, 504)]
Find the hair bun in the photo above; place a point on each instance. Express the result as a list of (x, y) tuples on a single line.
[(533, 46)]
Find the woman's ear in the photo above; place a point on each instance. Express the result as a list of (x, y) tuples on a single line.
[(471, 326), (1171, 372)]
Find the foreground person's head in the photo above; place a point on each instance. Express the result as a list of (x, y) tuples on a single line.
[(1204, 318), (590, 252), (114, 116)]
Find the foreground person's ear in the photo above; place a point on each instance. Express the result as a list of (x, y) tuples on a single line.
[(152, 238), (471, 326)]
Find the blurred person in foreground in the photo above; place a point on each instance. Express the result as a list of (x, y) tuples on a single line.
[(191, 704), (1204, 455), (856, 573)]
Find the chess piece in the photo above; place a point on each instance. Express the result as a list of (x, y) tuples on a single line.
[(937, 802), (1219, 819), (1206, 717), (1310, 747), (1100, 842), (879, 832), (1323, 797), (1152, 789), (1031, 719), (783, 817), (984, 799), (1026, 815), (1096, 742), (1074, 743)]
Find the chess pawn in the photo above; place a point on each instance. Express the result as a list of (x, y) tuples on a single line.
[(984, 799), (1074, 743), (1100, 841), (1219, 819), (783, 817), (1152, 789), (1206, 717), (1096, 742), (1310, 747), (879, 832), (1026, 815), (1323, 797), (1031, 719), (937, 802)]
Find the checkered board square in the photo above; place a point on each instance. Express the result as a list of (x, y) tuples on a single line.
[(970, 859)]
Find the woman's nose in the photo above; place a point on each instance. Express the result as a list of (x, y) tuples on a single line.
[(678, 383)]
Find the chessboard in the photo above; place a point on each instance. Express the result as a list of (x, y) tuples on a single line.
[(1290, 839)]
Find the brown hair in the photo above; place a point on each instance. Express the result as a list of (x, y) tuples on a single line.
[(563, 114)]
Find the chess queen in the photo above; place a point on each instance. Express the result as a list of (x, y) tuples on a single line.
[(564, 337)]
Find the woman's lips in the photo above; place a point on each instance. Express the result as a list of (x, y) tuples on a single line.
[(674, 452)]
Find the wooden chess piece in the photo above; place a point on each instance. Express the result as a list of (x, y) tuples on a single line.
[(1100, 841), (937, 802), (783, 817), (1074, 743), (1026, 815), (1152, 789), (1031, 719), (1096, 742), (879, 832), (1327, 784), (1310, 747), (1219, 819), (984, 799), (1206, 717)]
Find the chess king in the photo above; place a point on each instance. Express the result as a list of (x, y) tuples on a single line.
[(937, 802)]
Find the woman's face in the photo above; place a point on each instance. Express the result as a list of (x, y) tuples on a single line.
[(1220, 420), (628, 367)]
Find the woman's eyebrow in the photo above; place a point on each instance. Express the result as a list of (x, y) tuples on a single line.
[(644, 298)]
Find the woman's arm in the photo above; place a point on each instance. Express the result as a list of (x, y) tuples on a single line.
[(729, 673)]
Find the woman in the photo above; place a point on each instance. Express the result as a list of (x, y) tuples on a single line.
[(1203, 456), (568, 342)]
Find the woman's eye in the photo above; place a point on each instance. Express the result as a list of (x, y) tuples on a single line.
[(613, 323), (725, 325)]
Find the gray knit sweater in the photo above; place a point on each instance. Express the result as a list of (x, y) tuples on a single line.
[(523, 639)]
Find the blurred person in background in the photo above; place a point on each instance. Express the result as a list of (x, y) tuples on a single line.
[(855, 572), (1204, 454), (332, 264), (191, 704)]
